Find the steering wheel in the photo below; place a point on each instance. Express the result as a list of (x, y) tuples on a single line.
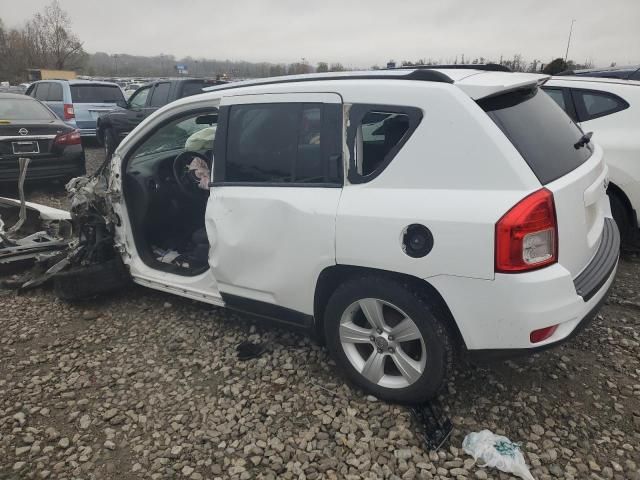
[(186, 179)]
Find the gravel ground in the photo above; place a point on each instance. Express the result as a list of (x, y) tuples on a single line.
[(145, 385)]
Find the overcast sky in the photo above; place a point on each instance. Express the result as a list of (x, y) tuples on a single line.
[(354, 32)]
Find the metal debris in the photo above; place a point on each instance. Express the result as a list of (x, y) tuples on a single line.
[(435, 427), (23, 164)]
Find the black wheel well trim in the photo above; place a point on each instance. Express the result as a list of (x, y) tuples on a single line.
[(618, 192), (335, 275)]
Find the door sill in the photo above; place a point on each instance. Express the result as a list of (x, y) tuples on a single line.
[(193, 294)]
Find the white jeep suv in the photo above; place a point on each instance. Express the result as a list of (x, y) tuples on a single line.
[(400, 214), (610, 108)]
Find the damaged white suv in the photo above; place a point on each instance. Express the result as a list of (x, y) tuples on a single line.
[(401, 214)]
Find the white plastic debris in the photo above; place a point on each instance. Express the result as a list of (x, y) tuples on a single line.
[(496, 451)]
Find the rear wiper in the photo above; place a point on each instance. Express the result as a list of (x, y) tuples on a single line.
[(584, 139)]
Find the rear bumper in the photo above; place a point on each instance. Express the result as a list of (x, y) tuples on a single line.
[(70, 164), (87, 132), (500, 314)]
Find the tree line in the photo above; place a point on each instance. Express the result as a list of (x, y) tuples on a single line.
[(47, 41)]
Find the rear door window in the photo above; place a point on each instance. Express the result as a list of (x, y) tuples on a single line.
[(160, 95), (592, 104), (92, 93), (543, 134)]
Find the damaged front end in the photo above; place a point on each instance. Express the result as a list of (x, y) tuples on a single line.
[(36, 234), (75, 248)]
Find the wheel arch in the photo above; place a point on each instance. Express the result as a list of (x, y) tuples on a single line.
[(615, 190), (332, 277)]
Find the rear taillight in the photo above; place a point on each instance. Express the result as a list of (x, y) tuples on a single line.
[(68, 111), (527, 235), (542, 334), (71, 138)]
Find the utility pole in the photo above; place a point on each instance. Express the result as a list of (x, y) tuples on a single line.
[(566, 55)]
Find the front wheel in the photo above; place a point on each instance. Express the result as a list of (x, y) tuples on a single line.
[(108, 142), (388, 339)]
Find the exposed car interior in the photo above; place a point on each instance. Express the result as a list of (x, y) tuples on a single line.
[(166, 186), (376, 136)]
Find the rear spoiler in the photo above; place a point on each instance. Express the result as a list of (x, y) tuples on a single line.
[(483, 85)]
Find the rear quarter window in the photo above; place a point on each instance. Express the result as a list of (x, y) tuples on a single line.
[(592, 104), (375, 135), (540, 130)]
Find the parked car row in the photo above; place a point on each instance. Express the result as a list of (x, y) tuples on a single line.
[(112, 127), (49, 128), (29, 129), (403, 216), (78, 102)]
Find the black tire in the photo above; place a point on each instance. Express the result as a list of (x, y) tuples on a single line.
[(425, 313), (622, 217), (84, 282), (108, 142)]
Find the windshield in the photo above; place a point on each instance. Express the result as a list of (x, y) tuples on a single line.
[(93, 93), (540, 130), (172, 136), (27, 109)]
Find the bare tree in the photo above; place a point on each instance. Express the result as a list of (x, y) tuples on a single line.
[(53, 44)]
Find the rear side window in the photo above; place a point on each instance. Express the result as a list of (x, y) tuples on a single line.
[(55, 92), (42, 91), (593, 104), (160, 95), (282, 143), (191, 88), (375, 135), (90, 93), (543, 134)]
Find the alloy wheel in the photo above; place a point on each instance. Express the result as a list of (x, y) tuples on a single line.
[(382, 343)]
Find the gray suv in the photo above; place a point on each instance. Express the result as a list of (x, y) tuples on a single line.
[(78, 103)]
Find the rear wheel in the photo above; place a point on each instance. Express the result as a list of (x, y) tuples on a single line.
[(388, 339)]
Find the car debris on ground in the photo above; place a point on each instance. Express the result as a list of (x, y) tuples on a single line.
[(74, 248)]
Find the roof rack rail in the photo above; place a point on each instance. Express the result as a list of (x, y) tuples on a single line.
[(489, 67), (422, 75)]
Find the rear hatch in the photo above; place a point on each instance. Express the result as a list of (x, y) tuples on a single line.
[(574, 171), (90, 100)]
